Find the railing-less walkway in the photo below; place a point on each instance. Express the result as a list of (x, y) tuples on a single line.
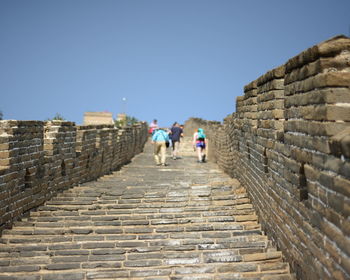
[(184, 221)]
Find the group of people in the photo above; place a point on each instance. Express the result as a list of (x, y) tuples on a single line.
[(164, 137)]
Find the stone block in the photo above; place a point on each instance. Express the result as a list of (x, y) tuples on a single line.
[(63, 276), (319, 96), (271, 114), (276, 73), (145, 256), (262, 256), (250, 86), (301, 155), (328, 48), (270, 95), (271, 105), (304, 141), (142, 263), (322, 65), (319, 113), (109, 257), (104, 274), (113, 251), (63, 266), (323, 80), (341, 185), (150, 272), (97, 245), (340, 143), (224, 256), (316, 128), (277, 84), (291, 164), (244, 267)]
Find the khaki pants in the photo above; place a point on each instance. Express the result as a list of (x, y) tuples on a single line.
[(159, 152), (176, 146)]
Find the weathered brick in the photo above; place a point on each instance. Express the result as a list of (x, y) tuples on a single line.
[(64, 276), (244, 267), (101, 274), (98, 245), (142, 263), (195, 270), (20, 268), (107, 251), (145, 256), (224, 256), (150, 272), (262, 256), (108, 231), (64, 266), (108, 257), (103, 264)]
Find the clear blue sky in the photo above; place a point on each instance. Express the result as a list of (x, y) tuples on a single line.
[(170, 59)]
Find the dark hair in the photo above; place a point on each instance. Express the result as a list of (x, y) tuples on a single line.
[(175, 123)]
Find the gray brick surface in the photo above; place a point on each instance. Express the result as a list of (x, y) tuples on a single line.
[(184, 221)]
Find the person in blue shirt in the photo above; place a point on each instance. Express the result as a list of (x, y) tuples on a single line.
[(159, 139)]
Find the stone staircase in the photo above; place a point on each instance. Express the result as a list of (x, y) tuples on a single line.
[(186, 221)]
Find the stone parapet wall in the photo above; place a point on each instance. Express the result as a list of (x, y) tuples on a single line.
[(39, 159), (289, 144)]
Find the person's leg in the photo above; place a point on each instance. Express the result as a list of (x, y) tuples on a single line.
[(162, 153), (156, 153), (199, 154), (175, 148), (178, 149), (203, 155)]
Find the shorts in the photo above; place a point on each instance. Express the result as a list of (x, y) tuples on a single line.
[(200, 144)]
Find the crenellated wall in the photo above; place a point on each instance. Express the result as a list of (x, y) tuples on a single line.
[(38, 159), (289, 144)]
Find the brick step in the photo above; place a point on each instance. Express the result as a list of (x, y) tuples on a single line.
[(161, 265), (160, 273), (152, 203), (204, 195), (144, 241), (134, 250), (198, 227), (90, 192), (123, 274), (58, 216), (233, 229), (149, 218), (173, 203), (150, 208), (237, 204), (105, 221), (174, 187), (243, 212), (163, 255), (50, 218)]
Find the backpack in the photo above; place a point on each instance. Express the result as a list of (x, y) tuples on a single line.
[(200, 135)]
